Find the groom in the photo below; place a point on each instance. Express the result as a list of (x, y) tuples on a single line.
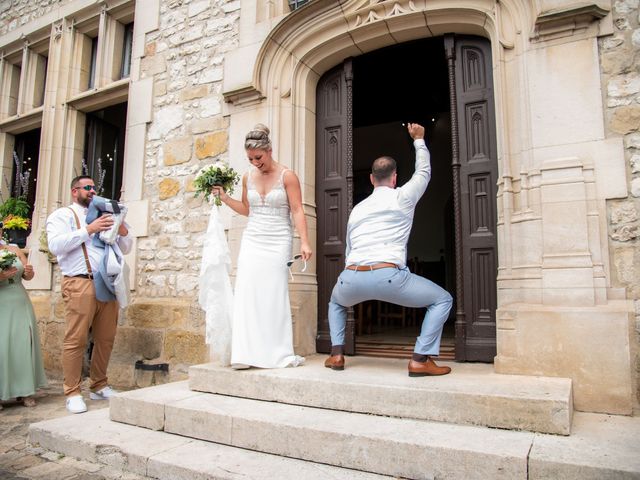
[(377, 235)]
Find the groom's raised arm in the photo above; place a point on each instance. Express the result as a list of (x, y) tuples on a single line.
[(413, 190)]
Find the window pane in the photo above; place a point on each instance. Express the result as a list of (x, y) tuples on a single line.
[(27, 150), (94, 61), (104, 149), (295, 4), (39, 100), (126, 51)]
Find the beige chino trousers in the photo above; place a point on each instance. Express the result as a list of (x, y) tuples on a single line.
[(83, 311)]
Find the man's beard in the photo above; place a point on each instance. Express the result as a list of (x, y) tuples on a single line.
[(85, 202)]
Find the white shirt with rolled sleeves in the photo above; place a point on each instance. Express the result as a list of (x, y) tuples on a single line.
[(379, 226), (65, 240)]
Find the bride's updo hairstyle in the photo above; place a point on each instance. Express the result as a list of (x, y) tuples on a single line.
[(258, 138)]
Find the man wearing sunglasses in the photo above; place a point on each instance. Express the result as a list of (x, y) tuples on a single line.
[(377, 235), (69, 238)]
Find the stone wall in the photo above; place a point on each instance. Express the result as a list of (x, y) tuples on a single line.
[(16, 13), (185, 58), (620, 63)]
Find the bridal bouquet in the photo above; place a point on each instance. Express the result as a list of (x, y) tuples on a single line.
[(6, 260), (217, 174)]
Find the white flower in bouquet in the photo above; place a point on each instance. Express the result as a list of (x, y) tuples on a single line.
[(218, 174), (7, 258)]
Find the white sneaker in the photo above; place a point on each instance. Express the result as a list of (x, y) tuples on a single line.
[(103, 394), (75, 404)]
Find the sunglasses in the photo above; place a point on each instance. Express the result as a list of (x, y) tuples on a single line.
[(87, 188), (291, 262)]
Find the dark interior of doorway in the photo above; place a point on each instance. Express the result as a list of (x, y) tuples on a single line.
[(389, 89)]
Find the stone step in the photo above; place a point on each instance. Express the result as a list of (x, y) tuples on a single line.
[(94, 438), (388, 446), (600, 446), (473, 394)]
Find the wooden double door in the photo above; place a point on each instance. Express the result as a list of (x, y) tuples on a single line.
[(348, 105)]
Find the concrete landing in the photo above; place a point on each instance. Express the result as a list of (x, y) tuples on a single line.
[(92, 437), (473, 394)]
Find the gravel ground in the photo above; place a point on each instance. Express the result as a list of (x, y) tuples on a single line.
[(19, 460)]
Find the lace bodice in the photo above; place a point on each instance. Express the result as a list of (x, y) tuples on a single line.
[(274, 203)]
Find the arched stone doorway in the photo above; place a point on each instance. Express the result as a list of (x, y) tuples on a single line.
[(361, 106)]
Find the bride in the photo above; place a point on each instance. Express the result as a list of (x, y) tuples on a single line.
[(261, 320)]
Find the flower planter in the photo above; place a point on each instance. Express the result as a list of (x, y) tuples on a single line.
[(17, 236)]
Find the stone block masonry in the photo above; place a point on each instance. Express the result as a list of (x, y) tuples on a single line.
[(620, 67)]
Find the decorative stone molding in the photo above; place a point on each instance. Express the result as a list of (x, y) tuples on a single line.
[(566, 22), (57, 29), (97, 98), (372, 12), (22, 122), (244, 96)]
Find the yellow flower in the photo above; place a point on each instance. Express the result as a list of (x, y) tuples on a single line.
[(13, 222)]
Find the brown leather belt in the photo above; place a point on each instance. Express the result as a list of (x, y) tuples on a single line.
[(369, 268), (84, 275)]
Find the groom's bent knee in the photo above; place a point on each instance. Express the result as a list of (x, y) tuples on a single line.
[(446, 300)]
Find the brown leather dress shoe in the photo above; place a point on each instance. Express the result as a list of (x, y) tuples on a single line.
[(423, 369), (335, 362)]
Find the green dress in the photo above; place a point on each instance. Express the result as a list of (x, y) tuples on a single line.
[(21, 369)]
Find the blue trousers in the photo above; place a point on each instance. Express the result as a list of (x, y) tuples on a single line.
[(393, 285)]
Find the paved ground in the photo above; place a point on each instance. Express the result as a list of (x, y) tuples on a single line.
[(20, 461)]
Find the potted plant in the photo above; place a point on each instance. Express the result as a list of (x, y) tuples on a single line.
[(14, 212)]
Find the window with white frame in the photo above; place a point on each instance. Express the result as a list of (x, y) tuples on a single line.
[(23, 74), (104, 48)]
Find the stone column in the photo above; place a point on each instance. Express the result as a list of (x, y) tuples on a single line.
[(57, 141)]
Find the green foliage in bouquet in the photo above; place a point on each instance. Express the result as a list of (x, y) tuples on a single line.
[(7, 258), (215, 174)]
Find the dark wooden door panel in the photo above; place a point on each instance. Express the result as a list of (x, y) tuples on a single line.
[(478, 175), (333, 174)]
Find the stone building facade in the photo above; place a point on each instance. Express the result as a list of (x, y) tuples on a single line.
[(203, 72)]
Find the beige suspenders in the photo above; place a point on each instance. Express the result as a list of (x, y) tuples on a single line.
[(84, 247)]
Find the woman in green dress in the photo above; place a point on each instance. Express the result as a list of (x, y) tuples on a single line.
[(21, 369)]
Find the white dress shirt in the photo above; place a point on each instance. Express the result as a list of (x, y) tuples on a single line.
[(65, 240), (379, 226)]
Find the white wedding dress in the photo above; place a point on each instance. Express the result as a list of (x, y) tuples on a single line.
[(262, 333)]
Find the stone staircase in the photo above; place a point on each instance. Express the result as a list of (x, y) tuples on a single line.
[(370, 421)]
